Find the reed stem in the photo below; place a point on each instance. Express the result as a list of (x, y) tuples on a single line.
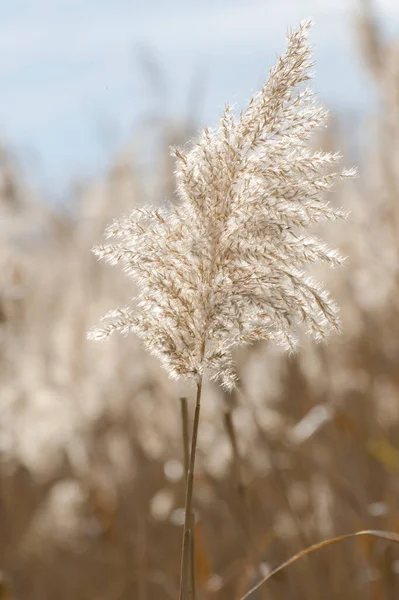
[(189, 496)]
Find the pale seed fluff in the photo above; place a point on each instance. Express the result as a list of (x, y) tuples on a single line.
[(225, 265)]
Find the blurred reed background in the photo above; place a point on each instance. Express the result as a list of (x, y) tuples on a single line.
[(91, 453)]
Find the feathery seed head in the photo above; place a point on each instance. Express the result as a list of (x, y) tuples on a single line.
[(226, 265)]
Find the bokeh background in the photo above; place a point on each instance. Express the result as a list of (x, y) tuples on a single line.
[(92, 94)]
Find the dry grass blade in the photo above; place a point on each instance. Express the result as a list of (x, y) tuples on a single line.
[(383, 535)]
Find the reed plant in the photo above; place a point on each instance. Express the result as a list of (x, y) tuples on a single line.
[(226, 265)]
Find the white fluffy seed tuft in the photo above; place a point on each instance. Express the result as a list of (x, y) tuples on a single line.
[(227, 265)]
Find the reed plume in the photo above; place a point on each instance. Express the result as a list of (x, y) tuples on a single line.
[(226, 264)]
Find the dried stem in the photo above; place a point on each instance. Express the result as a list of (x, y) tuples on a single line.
[(142, 560), (192, 585), (185, 434), (186, 447), (242, 491), (189, 495), (283, 485)]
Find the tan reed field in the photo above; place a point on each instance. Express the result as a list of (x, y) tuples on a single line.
[(295, 448)]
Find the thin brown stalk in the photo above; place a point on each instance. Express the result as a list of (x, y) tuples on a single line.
[(186, 447), (192, 584), (242, 492), (313, 579), (186, 436), (142, 560), (241, 488), (186, 450), (189, 495)]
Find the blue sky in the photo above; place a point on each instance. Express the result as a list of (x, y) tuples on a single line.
[(72, 88)]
